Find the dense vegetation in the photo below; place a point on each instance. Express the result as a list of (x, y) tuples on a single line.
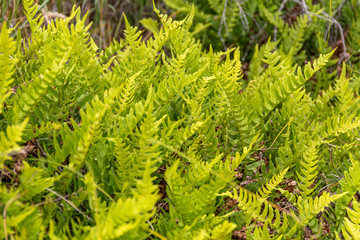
[(173, 134)]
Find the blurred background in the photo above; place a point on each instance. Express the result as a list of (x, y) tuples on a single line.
[(221, 23), (106, 15)]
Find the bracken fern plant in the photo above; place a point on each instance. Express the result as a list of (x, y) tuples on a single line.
[(162, 139)]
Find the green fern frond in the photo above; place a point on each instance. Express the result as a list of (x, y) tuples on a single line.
[(33, 182), (268, 187), (263, 233), (349, 184), (128, 218), (76, 143), (106, 132), (294, 36), (344, 92), (308, 169), (9, 142), (112, 49), (28, 97), (221, 231), (7, 64), (274, 19), (41, 129), (309, 208), (285, 81), (193, 197), (30, 9), (125, 172), (259, 210), (127, 93), (20, 220), (311, 68), (351, 227), (337, 125), (184, 134)]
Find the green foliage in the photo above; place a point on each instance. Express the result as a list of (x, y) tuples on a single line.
[(158, 138), (350, 229), (7, 64)]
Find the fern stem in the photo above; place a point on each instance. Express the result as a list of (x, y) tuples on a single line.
[(291, 119)]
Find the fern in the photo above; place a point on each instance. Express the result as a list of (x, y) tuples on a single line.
[(350, 229), (124, 218), (7, 64), (348, 184), (309, 209), (7, 68), (164, 138), (56, 56), (308, 172), (9, 142), (267, 188), (249, 203), (78, 142), (31, 9)]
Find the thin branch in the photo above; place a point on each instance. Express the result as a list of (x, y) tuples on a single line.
[(223, 21), (339, 8), (279, 10), (345, 54), (71, 204), (242, 15), (306, 9), (327, 17), (40, 149)]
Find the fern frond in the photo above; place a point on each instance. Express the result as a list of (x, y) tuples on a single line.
[(294, 36), (9, 142), (132, 157), (308, 169), (263, 233), (30, 9), (337, 125), (94, 201), (311, 68), (7, 64), (125, 159), (349, 184), (193, 196), (259, 210), (185, 133), (285, 81), (309, 208), (274, 19), (127, 93), (76, 143), (128, 218), (112, 49), (344, 92), (33, 182), (41, 129), (221, 231), (228, 76), (351, 227), (237, 117), (27, 97), (21, 220), (268, 187), (132, 35)]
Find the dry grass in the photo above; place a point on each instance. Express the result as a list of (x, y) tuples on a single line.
[(106, 15)]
